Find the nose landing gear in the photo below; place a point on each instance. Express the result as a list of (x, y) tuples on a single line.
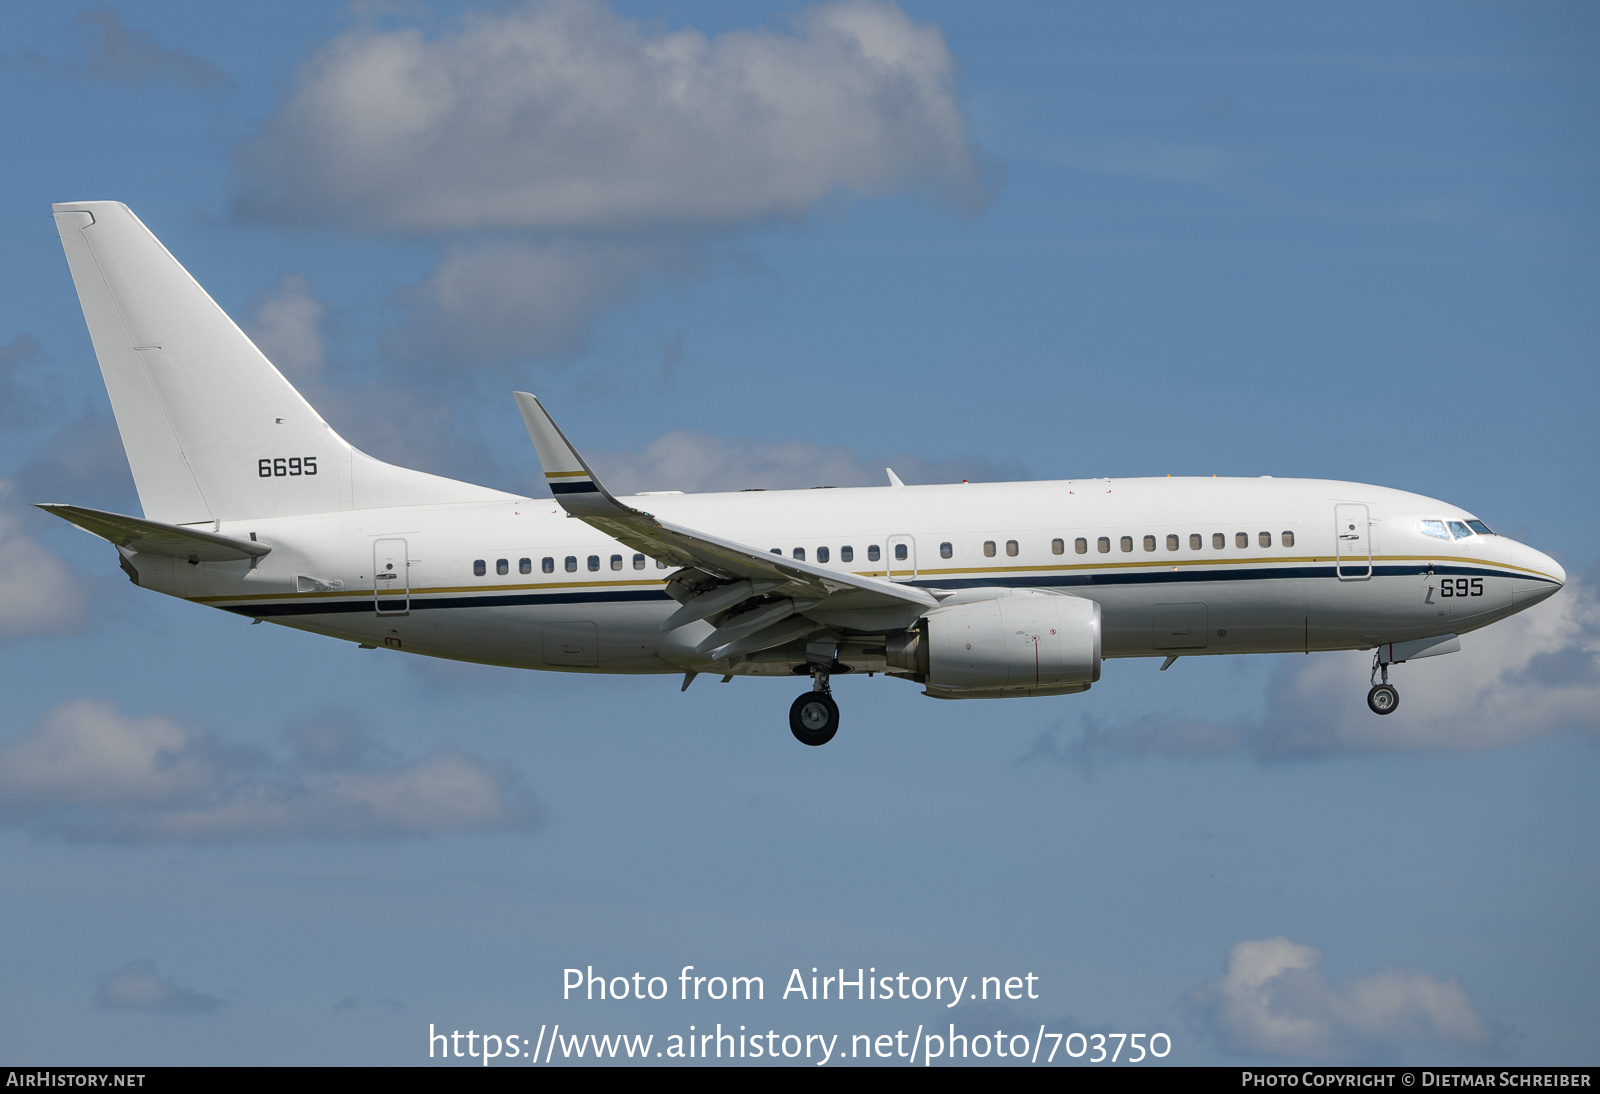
[(1383, 698), (814, 717)]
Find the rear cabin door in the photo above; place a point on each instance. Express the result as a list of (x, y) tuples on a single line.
[(391, 577), (1352, 542)]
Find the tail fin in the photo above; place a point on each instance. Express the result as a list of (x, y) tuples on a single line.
[(212, 430)]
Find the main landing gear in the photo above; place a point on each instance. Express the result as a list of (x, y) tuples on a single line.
[(814, 717), (1383, 698)]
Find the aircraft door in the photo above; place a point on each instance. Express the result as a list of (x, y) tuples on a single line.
[(901, 563), (1352, 542), (1180, 627), (391, 577)]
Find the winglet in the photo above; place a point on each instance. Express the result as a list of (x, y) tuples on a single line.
[(571, 480), (894, 480)]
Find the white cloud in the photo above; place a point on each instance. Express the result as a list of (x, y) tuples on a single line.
[(564, 117), (138, 986), (1272, 1001), (41, 593), (690, 461), (561, 152), (90, 772), (288, 328), (522, 299), (1522, 678)]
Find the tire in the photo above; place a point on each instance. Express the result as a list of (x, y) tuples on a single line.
[(1383, 699), (814, 718)]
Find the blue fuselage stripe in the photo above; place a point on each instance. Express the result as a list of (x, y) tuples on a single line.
[(362, 606)]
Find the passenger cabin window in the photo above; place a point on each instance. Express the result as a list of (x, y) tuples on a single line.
[(1266, 539), (502, 567), (900, 552), (1479, 527), (594, 564), (1435, 528), (479, 568), (1461, 530), (572, 564), (1218, 541), (1103, 545), (1172, 543), (616, 562), (1058, 547), (847, 553), (822, 554), (946, 550), (873, 554), (1080, 546), (800, 554), (1011, 548), (1241, 539), (777, 551), (660, 565), (548, 565), (988, 548), (1127, 543), (1194, 542), (638, 562), (1149, 543), (1286, 538), (525, 566)]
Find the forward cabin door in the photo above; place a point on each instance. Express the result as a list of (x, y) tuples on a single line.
[(391, 577), (1352, 543)]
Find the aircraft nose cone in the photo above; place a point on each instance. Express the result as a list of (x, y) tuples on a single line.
[(1545, 566)]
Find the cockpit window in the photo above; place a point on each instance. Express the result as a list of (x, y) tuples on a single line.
[(1479, 527), (1460, 530), (1435, 528)]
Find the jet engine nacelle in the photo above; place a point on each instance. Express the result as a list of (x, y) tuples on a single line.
[(1019, 642)]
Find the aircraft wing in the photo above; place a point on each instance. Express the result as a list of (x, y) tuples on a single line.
[(152, 537), (579, 492)]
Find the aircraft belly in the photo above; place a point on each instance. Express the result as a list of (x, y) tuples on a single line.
[(606, 638), (1203, 617)]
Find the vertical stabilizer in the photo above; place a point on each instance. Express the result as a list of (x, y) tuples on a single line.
[(212, 430)]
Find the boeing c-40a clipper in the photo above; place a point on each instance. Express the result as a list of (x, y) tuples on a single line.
[(254, 505)]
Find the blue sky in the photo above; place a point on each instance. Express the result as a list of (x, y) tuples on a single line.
[(1354, 243)]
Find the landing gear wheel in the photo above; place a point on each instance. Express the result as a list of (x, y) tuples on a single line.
[(814, 718), (1383, 699)]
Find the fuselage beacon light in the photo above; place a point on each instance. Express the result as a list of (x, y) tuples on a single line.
[(254, 505)]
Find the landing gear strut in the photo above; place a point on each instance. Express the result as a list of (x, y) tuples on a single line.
[(1383, 698), (814, 717)]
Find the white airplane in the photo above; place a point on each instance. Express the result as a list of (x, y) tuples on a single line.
[(254, 505)]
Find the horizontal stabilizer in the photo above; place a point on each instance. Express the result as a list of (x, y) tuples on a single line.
[(151, 537)]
